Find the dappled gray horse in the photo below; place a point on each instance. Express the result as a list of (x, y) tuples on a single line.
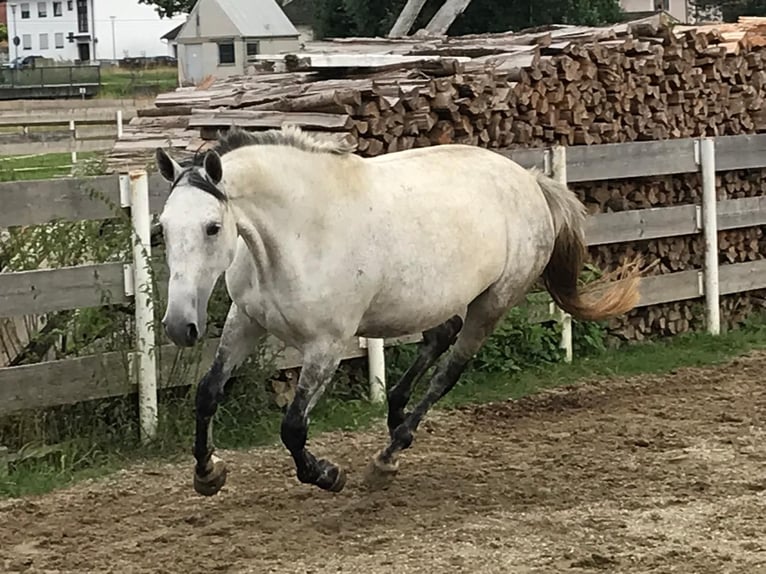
[(319, 245)]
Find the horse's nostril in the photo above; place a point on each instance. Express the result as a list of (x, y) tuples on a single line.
[(191, 332)]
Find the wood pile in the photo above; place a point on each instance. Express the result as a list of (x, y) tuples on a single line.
[(568, 85)]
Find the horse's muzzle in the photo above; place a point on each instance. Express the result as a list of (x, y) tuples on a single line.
[(181, 333)]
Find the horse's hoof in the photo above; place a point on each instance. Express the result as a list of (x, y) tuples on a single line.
[(332, 477), (378, 474), (213, 481)]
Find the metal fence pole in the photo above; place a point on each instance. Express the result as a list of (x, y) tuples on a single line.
[(710, 232)]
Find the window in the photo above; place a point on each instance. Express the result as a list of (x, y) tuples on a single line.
[(82, 16), (59, 38), (25, 11), (43, 41), (69, 5), (26, 41), (252, 49), (42, 9), (226, 54), (662, 5), (57, 10)]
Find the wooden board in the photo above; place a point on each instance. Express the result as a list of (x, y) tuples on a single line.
[(627, 160), (63, 382), (741, 277), (84, 116), (739, 213), (62, 146), (270, 119), (527, 158), (669, 287), (42, 201), (637, 224), (42, 291), (740, 152), (159, 189)]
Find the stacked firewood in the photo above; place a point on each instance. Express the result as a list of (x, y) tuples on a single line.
[(575, 86)]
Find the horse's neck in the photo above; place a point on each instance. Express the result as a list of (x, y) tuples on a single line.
[(280, 198), (279, 177)]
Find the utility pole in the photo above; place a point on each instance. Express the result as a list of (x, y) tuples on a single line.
[(16, 38)]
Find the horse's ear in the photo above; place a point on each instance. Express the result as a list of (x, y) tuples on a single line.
[(167, 166), (213, 166)]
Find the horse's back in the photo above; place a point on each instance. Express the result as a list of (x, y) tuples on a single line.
[(453, 219)]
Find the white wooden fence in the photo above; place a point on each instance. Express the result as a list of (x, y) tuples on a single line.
[(67, 131), (91, 377)]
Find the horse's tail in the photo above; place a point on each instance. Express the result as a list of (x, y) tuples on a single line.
[(612, 294)]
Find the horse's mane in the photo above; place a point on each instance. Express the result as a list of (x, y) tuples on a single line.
[(236, 137), (291, 136)]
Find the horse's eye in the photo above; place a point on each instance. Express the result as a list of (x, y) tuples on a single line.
[(213, 229)]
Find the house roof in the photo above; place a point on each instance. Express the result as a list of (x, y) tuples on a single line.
[(258, 18), (174, 32)]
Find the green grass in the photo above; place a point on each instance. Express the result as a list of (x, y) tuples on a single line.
[(237, 427), (120, 83), (50, 165)]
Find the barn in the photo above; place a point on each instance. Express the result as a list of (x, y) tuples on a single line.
[(220, 35)]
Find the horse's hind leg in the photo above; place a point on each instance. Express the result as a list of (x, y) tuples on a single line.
[(239, 337), (482, 317), (435, 343), (319, 365)]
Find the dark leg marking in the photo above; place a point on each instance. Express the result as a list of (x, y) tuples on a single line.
[(239, 336), (435, 343), (483, 314), (315, 374), (445, 378)]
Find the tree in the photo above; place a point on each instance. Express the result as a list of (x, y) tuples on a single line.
[(374, 18), (170, 8)]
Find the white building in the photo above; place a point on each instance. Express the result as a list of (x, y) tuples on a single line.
[(86, 30), (220, 36), (679, 9)]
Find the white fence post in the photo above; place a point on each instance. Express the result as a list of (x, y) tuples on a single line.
[(146, 367), (73, 140), (710, 231), (558, 169), (376, 362), (119, 124)]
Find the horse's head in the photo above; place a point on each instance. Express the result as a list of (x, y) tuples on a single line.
[(200, 241)]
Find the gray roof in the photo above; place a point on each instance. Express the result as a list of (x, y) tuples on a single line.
[(258, 18)]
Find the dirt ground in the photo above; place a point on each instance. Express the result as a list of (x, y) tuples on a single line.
[(650, 474)]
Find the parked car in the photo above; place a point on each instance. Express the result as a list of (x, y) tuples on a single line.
[(24, 62)]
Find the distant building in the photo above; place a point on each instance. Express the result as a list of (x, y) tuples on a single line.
[(85, 30), (220, 36), (172, 40), (679, 9)]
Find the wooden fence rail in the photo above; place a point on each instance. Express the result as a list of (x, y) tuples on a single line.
[(74, 380), (68, 131)]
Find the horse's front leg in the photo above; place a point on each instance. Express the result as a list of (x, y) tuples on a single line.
[(238, 340), (319, 365)]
